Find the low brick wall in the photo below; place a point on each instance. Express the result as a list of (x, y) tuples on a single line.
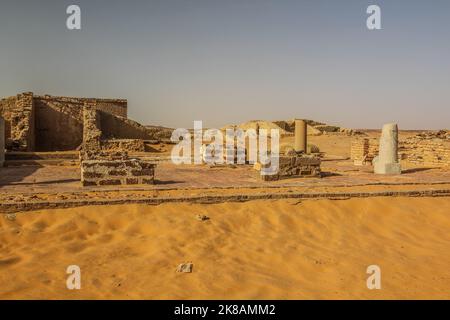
[(433, 153), (362, 151), (293, 166), (130, 145), (117, 172), (415, 150)]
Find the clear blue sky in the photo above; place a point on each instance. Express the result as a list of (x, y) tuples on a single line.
[(230, 61)]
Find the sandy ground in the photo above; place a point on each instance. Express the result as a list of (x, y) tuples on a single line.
[(282, 249)]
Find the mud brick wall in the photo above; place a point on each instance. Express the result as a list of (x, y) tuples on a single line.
[(59, 120), (128, 172), (6, 107), (51, 123), (293, 166), (22, 123), (2, 142), (114, 127), (130, 145), (427, 152), (362, 151), (91, 133)]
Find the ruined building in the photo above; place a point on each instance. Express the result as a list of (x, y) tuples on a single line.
[(50, 123)]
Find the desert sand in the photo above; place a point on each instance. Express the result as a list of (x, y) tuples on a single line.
[(284, 249)]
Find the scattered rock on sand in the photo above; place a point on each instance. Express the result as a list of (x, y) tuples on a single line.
[(202, 217), (185, 267)]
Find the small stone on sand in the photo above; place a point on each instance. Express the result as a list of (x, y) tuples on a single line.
[(185, 267), (202, 217)]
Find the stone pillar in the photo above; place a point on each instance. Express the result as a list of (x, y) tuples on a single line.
[(2, 142), (387, 160), (300, 136), (22, 123)]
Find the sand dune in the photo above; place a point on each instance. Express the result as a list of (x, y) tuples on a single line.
[(255, 250)]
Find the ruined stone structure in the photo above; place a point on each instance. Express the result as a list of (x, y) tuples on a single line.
[(387, 160), (427, 151), (2, 142), (432, 153), (49, 123), (292, 166), (295, 162), (363, 151), (117, 172), (130, 145), (100, 167)]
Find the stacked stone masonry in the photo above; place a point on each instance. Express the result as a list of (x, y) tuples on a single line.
[(363, 151), (117, 172), (292, 166), (49, 123), (100, 167), (129, 145), (431, 152)]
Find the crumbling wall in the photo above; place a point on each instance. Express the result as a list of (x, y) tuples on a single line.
[(2, 142), (115, 127), (59, 120), (129, 145), (362, 151), (91, 133), (292, 166), (100, 167), (420, 150), (433, 153), (22, 123), (50, 123), (6, 107), (126, 172)]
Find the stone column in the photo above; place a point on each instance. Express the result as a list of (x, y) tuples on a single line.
[(387, 160), (300, 136), (2, 141)]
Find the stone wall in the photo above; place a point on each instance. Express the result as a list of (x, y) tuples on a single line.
[(91, 133), (129, 145), (51, 123), (2, 142), (431, 152), (293, 166), (6, 107), (59, 120), (114, 127), (102, 166), (117, 172), (23, 123), (363, 151)]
